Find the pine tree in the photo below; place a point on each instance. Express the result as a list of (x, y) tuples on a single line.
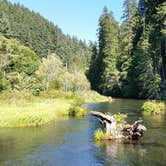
[(145, 69), (147, 81), (4, 25), (126, 43), (93, 68), (108, 53), (130, 9)]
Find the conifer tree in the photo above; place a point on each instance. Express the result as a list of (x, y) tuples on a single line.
[(93, 68), (4, 25), (126, 43), (108, 53)]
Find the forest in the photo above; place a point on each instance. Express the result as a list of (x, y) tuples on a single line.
[(52, 85), (35, 50), (128, 60)]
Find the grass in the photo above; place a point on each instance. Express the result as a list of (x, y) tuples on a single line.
[(101, 135), (153, 107), (120, 120), (94, 97), (33, 114), (22, 109)]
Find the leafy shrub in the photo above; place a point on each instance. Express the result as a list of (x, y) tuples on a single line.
[(153, 107)]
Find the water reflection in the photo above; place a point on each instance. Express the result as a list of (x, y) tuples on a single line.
[(17, 143), (70, 142), (120, 153)]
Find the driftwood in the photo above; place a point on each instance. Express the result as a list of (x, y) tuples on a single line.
[(135, 130)]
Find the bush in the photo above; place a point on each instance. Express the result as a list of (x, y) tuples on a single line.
[(153, 107), (77, 111)]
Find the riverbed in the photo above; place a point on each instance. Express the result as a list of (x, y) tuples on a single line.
[(70, 142)]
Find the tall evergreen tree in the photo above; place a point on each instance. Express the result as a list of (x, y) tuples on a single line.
[(145, 76), (93, 68), (108, 52), (126, 43), (130, 9), (4, 24)]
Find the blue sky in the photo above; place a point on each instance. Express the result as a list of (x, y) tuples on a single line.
[(74, 17)]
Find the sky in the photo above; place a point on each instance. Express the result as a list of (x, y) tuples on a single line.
[(75, 17)]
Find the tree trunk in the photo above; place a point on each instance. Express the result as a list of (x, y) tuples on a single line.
[(135, 131)]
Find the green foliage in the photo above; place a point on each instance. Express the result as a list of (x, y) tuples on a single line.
[(107, 75), (120, 118), (100, 135), (18, 65), (76, 81), (93, 72), (93, 97), (41, 35), (51, 70), (16, 97), (130, 9), (131, 58), (4, 24), (56, 76), (153, 107), (128, 60), (147, 82), (77, 111), (126, 37), (32, 114), (21, 69), (20, 109)]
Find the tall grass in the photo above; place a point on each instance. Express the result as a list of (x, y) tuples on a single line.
[(22, 109), (33, 114), (101, 135)]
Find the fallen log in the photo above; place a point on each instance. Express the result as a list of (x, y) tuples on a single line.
[(134, 131)]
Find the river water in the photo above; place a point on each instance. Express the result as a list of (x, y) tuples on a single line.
[(70, 142)]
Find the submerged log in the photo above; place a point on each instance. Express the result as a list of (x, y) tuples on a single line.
[(135, 130)]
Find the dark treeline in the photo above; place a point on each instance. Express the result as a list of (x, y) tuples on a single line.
[(41, 35), (130, 60)]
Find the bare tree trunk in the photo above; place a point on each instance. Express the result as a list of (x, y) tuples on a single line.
[(47, 85), (135, 131)]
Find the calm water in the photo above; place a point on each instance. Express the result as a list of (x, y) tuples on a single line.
[(70, 142)]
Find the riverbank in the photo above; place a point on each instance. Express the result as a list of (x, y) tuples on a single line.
[(25, 110)]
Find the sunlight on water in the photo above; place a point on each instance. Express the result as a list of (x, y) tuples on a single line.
[(70, 142)]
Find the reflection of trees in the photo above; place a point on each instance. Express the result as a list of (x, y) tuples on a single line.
[(19, 142), (155, 120), (118, 153)]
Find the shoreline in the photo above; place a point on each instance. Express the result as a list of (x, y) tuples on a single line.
[(24, 110)]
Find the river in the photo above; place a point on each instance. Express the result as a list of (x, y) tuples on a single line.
[(70, 142)]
